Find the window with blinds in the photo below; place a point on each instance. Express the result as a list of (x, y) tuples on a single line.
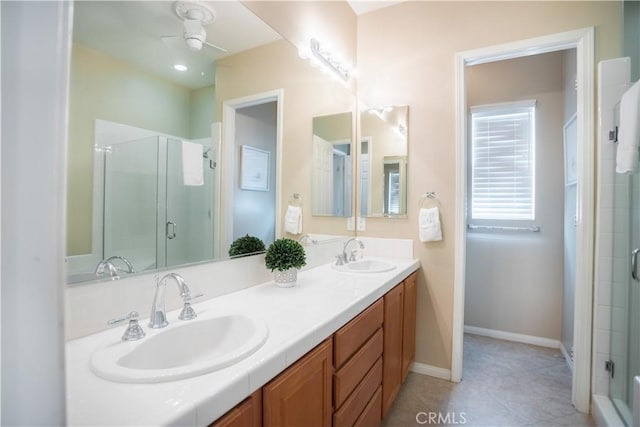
[(503, 161)]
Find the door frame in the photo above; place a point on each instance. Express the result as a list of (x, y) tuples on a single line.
[(583, 40), (224, 197)]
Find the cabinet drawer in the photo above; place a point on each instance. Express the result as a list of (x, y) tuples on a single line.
[(350, 375), (355, 333), (371, 416), (347, 415)]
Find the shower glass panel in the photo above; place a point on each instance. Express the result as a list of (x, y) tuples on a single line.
[(189, 213), (130, 201), (625, 298), (150, 216)]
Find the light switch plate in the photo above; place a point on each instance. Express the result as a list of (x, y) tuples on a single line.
[(351, 226), (362, 223)]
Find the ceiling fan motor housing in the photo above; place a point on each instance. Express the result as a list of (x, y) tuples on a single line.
[(194, 16)]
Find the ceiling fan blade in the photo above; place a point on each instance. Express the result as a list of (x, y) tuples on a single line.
[(221, 49), (173, 42)]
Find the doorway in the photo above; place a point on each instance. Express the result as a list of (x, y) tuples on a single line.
[(583, 42), (520, 240), (251, 157)]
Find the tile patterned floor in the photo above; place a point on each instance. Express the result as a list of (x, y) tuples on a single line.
[(504, 384)]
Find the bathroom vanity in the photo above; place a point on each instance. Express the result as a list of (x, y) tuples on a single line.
[(339, 346)]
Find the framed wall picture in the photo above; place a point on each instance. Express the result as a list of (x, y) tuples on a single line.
[(571, 151), (254, 168)]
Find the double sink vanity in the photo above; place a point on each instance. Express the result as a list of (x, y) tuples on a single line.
[(332, 350)]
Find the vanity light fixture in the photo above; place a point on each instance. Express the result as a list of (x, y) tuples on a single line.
[(180, 67), (380, 112), (329, 60)]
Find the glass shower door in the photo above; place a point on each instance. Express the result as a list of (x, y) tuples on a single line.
[(130, 200), (625, 298), (188, 218)]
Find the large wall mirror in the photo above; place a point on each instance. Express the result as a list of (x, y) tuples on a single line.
[(383, 161), (146, 134), (332, 165)]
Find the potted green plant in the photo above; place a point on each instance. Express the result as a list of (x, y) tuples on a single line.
[(284, 257), (246, 245)]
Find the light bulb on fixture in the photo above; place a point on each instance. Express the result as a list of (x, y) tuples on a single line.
[(180, 67), (328, 60)]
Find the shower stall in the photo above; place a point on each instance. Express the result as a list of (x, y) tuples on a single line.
[(624, 363), (150, 217), (617, 326)]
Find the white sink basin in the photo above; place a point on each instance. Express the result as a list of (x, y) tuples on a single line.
[(365, 266), (181, 350)]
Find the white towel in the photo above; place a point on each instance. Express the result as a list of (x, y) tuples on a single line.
[(629, 131), (293, 220), (192, 164), (429, 225)]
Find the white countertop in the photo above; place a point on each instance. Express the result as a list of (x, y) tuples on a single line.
[(298, 319)]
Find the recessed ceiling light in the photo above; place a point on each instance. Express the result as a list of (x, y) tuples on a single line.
[(180, 67)]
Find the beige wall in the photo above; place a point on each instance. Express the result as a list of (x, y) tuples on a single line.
[(384, 143), (406, 56), (104, 88), (334, 127), (333, 23), (514, 280), (307, 93)]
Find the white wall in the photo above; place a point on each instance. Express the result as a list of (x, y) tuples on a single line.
[(514, 279), (35, 63)]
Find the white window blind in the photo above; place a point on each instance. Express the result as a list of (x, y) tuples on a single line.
[(503, 161)]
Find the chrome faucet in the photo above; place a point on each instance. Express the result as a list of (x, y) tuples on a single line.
[(110, 266), (158, 318), (343, 258), (305, 238)]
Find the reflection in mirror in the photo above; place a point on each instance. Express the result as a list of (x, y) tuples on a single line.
[(383, 161), (143, 159), (332, 170)]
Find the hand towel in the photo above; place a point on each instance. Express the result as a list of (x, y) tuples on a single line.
[(629, 131), (192, 164), (429, 225), (293, 220)]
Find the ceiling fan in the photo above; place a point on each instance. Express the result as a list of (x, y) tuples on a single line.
[(194, 16)]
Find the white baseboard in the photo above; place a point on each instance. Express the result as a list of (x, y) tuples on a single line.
[(511, 336), (567, 357), (432, 371)]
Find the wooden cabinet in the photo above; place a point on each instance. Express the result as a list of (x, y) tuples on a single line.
[(348, 339), (372, 355), (392, 353), (302, 394), (246, 414), (409, 324), (358, 360)]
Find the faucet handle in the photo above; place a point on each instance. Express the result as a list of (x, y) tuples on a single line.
[(188, 313), (134, 330)]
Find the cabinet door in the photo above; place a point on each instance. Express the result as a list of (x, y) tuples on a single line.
[(409, 324), (301, 395), (246, 414), (392, 350)]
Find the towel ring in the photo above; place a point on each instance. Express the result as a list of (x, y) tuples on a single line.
[(295, 199), (429, 196)]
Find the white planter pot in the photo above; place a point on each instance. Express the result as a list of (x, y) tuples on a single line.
[(287, 278)]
